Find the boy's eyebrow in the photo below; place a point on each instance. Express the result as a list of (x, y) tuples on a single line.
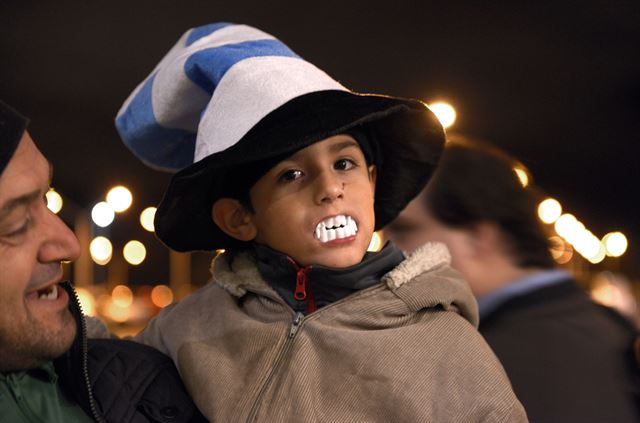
[(344, 144)]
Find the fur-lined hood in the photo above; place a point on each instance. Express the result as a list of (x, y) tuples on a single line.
[(434, 283)]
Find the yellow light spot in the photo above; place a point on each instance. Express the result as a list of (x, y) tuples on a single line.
[(161, 295), (87, 301), (522, 176), (54, 201), (565, 224), (122, 296), (376, 242), (599, 255), (445, 113), (585, 242), (146, 218), (119, 198), (117, 313), (134, 252), (549, 210), (615, 244), (101, 250), (102, 214)]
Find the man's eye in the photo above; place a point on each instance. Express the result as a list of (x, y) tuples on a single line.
[(344, 164), (290, 175), (20, 231)]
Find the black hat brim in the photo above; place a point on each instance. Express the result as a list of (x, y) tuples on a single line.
[(409, 139)]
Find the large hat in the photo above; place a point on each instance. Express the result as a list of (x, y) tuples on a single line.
[(12, 127), (230, 95)]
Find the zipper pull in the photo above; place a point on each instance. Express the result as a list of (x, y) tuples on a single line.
[(297, 320), (300, 291)]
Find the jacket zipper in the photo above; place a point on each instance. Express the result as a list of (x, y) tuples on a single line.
[(296, 324), (85, 351), (298, 320)]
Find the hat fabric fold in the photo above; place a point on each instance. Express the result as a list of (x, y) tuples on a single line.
[(229, 95)]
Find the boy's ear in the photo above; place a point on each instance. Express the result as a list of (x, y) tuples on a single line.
[(233, 219), (373, 174)]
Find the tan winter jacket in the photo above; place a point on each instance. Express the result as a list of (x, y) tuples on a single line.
[(405, 350)]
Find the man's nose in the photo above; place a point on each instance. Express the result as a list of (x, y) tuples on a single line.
[(59, 242), (328, 187)]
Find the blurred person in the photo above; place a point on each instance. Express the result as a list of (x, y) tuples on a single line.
[(569, 359), (49, 371)]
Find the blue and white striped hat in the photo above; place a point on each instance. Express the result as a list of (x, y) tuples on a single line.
[(227, 95)]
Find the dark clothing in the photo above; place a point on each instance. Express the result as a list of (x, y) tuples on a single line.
[(122, 381), (309, 288), (569, 359)]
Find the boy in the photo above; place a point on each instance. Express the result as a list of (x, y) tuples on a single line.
[(291, 174)]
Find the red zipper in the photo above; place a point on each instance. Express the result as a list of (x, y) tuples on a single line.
[(301, 292)]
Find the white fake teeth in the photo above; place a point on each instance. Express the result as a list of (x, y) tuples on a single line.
[(336, 227), (49, 293)]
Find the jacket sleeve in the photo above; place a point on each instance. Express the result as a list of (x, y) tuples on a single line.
[(135, 383)]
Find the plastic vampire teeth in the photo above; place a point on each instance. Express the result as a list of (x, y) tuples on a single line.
[(336, 227)]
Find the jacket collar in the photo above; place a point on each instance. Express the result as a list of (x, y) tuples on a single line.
[(311, 287), (242, 274)]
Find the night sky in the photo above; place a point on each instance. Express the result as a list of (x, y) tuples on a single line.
[(557, 84)]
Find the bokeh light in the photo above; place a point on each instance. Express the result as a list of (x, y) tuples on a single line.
[(119, 198), (122, 296), (564, 225), (561, 251), (522, 176), (615, 244), (102, 214), (146, 218), (161, 296), (54, 201), (101, 250), (134, 252), (445, 113), (87, 301), (599, 255), (549, 210), (376, 242)]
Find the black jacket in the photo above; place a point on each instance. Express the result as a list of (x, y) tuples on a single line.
[(122, 381), (569, 359)]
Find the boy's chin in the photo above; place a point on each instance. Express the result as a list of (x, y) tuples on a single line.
[(336, 259)]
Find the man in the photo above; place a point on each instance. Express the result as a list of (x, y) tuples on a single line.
[(49, 371), (569, 360)]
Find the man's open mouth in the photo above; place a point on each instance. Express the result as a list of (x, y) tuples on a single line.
[(336, 227), (47, 293)]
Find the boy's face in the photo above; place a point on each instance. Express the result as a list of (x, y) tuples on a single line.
[(317, 205)]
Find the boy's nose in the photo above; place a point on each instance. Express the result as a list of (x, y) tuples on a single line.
[(328, 188)]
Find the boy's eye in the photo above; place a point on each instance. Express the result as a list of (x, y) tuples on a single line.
[(344, 164), (290, 175)]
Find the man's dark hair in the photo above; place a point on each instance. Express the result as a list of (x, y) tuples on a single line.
[(476, 182)]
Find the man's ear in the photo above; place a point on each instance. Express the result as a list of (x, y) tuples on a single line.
[(485, 238), (233, 219)]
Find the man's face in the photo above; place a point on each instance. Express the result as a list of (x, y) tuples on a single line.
[(35, 324), (317, 205), (416, 226)]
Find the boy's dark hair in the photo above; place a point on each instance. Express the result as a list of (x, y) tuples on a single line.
[(476, 182)]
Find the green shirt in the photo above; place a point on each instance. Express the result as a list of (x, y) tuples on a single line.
[(34, 396)]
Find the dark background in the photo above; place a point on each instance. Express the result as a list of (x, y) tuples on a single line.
[(557, 84)]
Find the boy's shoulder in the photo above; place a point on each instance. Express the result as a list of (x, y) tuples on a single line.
[(425, 279)]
